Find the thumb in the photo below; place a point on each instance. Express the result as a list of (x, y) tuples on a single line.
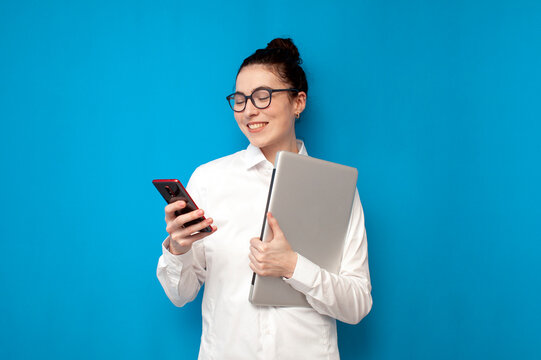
[(273, 223)]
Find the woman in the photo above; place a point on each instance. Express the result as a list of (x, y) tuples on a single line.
[(270, 95)]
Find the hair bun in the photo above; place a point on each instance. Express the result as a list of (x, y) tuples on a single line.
[(282, 56), (287, 45)]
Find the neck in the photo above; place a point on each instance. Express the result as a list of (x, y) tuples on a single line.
[(270, 151)]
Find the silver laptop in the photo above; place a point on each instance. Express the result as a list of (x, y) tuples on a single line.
[(312, 201)]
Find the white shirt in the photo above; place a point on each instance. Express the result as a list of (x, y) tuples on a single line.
[(233, 191)]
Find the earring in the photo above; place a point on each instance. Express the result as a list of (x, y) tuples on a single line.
[(297, 115)]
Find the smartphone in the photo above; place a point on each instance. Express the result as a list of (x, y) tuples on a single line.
[(172, 190)]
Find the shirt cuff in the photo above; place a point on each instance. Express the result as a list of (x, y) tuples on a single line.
[(185, 259), (304, 276)]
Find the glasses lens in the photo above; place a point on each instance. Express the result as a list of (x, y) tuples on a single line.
[(237, 101), (262, 98)]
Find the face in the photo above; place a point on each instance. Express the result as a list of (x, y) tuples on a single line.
[(272, 128)]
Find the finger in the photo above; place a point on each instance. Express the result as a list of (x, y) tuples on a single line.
[(253, 261), (257, 267), (192, 215), (181, 239), (201, 235), (255, 253), (174, 227), (273, 223), (257, 244), (171, 208), (177, 223), (190, 206), (199, 226)]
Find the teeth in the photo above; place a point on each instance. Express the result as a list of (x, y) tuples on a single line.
[(256, 126)]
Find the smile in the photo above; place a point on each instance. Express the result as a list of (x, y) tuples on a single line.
[(257, 126)]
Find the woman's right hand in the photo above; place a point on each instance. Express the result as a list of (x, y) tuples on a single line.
[(181, 238)]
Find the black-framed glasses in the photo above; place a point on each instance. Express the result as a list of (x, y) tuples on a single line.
[(260, 97)]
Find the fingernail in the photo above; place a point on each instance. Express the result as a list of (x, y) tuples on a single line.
[(200, 212)]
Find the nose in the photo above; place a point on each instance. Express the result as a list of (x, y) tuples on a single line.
[(250, 110)]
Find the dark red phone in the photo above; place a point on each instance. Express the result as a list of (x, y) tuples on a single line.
[(172, 190)]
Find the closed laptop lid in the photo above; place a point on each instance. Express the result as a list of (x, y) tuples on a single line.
[(312, 200)]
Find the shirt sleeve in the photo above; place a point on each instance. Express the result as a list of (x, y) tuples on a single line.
[(345, 296), (181, 276)]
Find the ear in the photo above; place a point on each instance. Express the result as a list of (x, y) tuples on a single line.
[(300, 102)]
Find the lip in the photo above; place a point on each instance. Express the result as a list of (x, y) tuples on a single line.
[(256, 130)]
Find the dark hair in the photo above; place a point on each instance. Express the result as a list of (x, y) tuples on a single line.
[(283, 56)]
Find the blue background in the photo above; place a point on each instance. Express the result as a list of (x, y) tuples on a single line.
[(437, 103)]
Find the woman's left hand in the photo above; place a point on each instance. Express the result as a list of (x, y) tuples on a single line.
[(274, 257)]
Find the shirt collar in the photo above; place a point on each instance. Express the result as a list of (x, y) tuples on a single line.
[(254, 156)]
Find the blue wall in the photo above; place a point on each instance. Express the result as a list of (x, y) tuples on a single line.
[(437, 103)]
